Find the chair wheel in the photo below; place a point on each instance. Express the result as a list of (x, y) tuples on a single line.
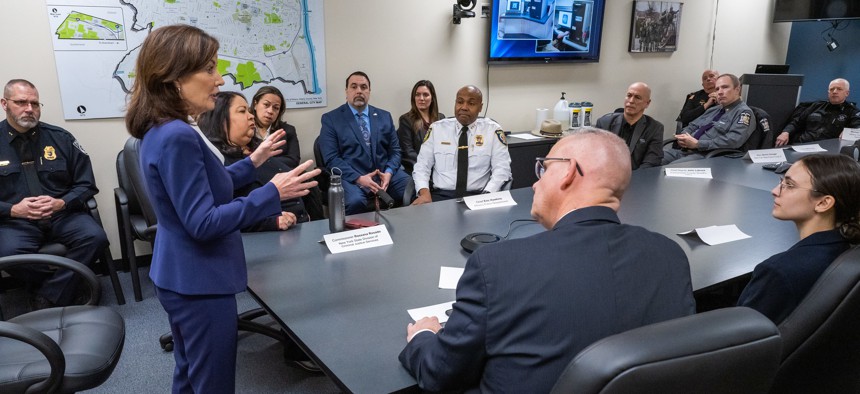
[(167, 347), (166, 342)]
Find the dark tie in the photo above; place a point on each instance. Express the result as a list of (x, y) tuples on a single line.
[(362, 124), (26, 142), (462, 162), (704, 128)]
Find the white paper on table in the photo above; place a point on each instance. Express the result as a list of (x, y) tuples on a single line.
[(438, 310), (704, 173), (449, 276), (526, 136), (360, 238), (490, 200), (808, 148), (776, 155), (715, 235), (850, 134)]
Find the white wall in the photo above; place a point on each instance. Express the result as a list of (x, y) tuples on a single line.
[(399, 42)]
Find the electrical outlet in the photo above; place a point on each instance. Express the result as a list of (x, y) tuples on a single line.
[(485, 10)]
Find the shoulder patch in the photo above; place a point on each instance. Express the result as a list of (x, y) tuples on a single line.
[(691, 96), (80, 148), (765, 125), (744, 119), (501, 135), (427, 135)]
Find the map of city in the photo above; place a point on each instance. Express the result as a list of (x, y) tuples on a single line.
[(262, 42)]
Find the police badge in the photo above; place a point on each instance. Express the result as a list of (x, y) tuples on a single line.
[(479, 140), (50, 153)]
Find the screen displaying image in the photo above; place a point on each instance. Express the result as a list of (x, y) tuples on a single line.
[(546, 30)]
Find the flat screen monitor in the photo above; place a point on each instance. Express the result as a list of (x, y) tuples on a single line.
[(515, 6), (565, 19), (546, 32), (815, 10), (771, 69)]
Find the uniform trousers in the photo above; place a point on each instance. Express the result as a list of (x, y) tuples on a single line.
[(77, 231), (355, 197), (205, 331)]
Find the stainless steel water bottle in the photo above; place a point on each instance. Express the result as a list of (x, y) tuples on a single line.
[(336, 207)]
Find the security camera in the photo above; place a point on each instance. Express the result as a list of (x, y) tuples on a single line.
[(463, 9)]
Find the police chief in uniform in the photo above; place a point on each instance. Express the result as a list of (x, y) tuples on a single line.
[(823, 119), (728, 125), (45, 180), (465, 155)]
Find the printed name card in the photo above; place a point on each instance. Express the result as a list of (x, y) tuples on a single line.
[(808, 148), (362, 238), (715, 235), (849, 134), (490, 200), (438, 310), (704, 173), (766, 155)]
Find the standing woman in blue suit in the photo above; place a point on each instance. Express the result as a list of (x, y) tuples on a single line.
[(198, 263), (819, 193)]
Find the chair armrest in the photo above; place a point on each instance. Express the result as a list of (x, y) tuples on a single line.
[(722, 152), (119, 196), (45, 345), (93, 209), (62, 262), (668, 141)]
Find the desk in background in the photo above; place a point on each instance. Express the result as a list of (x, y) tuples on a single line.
[(523, 154)]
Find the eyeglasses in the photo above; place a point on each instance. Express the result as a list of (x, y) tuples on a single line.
[(540, 167), (25, 103), (783, 185)]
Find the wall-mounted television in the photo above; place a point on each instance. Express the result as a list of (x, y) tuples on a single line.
[(545, 31), (815, 10)]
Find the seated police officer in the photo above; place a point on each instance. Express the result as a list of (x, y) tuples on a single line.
[(464, 154), (821, 120), (45, 180)]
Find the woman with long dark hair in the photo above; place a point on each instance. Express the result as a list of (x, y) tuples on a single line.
[(414, 124), (821, 194), (198, 261)]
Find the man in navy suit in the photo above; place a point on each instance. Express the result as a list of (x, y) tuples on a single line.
[(362, 142), (525, 307)]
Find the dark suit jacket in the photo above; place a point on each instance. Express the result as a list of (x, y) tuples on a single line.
[(779, 283), (646, 145), (526, 307), (199, 249), (343, 146), (291, 155), (411, 140)]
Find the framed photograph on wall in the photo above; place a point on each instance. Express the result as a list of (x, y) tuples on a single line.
[(655, 26)]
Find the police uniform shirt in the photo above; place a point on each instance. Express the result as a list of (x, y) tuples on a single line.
[(730, 131), (489, 161), (64, 169), (694, 107), (822, 121)]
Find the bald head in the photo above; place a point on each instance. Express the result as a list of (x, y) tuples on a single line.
[(468, 105), (637, 99), (601, 179)]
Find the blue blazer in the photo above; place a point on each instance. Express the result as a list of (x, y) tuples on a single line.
[(198, 248), (342, 145), (526, 307)]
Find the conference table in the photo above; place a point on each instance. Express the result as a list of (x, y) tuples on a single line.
[(348, 310)]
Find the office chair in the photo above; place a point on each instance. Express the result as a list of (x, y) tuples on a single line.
[(135, 214), (732, 350), (821, 337), (62, 349), (58, 249)]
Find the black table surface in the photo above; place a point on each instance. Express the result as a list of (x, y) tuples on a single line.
[(348, 310)]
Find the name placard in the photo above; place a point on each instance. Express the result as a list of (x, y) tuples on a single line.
[(808, 148), (766, 155), (490, 200), (704, 173), (362, 238), (849, 134)]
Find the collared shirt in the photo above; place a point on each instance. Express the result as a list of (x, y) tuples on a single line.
[(489, 161), (64, 168), (627, 131), (365, 112), (731, 130)]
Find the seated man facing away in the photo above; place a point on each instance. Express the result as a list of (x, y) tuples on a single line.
[(698, 102), (525, 307), (45, 180), (642, 133), (465, 155), (727, 125), (823, 119), (361, 141)]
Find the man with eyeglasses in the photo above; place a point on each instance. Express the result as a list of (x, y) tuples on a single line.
[(45, 180), (465, 155), (824, 119), (525, 307)]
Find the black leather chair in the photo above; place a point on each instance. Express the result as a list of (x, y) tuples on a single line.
[(63, 349), (732, 350), (821, 338), (135, 214)]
